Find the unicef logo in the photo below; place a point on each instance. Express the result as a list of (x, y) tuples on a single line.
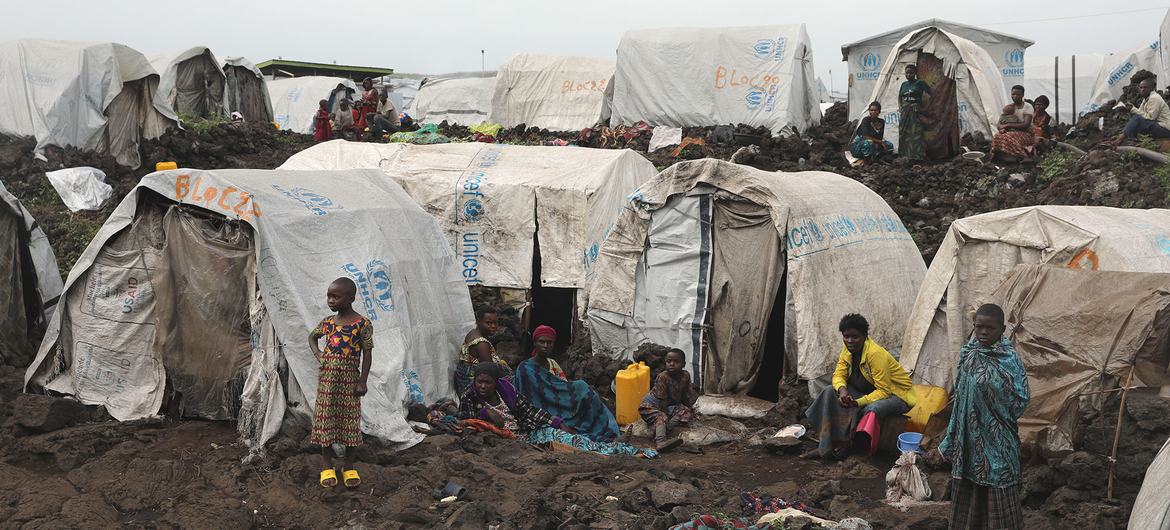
[(472, 210), (1014, 58), (870, 62)]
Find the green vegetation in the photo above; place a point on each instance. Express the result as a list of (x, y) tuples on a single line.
[(202, 125), (1054, 164), (1162, 175)]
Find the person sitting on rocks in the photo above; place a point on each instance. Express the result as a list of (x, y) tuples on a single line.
[(1015, 139), (542, 381), (869, 143), (379, 125), (1041, 120), (1151, 117), (867, 380), (670, 401), (343, 120), (478, 348)]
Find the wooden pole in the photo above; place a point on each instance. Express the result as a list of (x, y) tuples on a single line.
[(1117, 433)]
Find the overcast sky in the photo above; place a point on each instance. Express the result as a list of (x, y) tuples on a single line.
[(437, 36)]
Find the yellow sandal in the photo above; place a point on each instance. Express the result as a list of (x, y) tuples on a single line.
[(351, 478), (326, 475)]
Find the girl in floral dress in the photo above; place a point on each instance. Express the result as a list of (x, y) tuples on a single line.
[(341, 381)]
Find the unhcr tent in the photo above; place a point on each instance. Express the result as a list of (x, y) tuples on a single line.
[(979, 251), (967, 94), (501, 204), (191, 81), (1117, 70), (747, 271), (1052, 77), (685, 77), (246, 90), (552, 92), (1151, 509), (100, 96), (201, 288), (1080, 332), (867, 57), (30, 283), (463, 101), (295, 100)]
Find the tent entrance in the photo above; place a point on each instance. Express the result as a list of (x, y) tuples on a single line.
[(942, 128), (551, 306), (199, 87), (774, 363)]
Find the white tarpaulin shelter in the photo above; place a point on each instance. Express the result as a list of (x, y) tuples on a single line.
[(867, 57), (100, 96), (295, 100), (30, 283), (688, 77), (1042, 76), (246, 90), (697, 258), (979, 91), (552, 92), (1117, 70), (1151, 509), (463, 101), (979, 251), (205, 282), (493, 200), (191, 81)]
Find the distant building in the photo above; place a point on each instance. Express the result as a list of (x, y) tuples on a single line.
[(278, 68)]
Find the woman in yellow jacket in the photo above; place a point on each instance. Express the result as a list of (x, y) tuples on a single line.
[(867, 379)]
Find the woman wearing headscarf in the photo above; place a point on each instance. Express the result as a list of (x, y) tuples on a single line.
[(543, 382), (911, 131), (982, 440)]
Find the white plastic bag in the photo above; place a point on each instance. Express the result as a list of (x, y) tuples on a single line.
[(905, 479), (81, 188), (665, 136)]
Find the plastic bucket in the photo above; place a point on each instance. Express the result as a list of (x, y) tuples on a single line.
[(909, 441)]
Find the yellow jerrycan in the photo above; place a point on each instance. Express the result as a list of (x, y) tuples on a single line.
[(931, 400), (632, 383)]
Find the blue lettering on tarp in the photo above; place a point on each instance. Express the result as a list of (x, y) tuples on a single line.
[(1120, 72), (469, 254), (811, 236), (374, 286), (893, 118)]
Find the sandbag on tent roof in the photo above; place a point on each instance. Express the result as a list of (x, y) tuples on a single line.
[(100, 96), (696, 261), (494, 200), (29, 281), (552, 92), (978, 87), (191, 81), (205, 282), (684, 77), (295, 100), (979, 251), (463, 101), (1079, 332), (1151, 508), (246, 90)]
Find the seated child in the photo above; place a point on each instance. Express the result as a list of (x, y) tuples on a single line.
[(1009, 116), (669, 401)]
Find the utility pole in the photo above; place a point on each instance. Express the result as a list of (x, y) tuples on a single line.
[(482, 62)]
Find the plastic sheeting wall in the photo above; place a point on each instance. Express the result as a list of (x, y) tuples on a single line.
[(685, 77), (29, 279), (1116, 71), (191, 81), (246, 90), (1151, 508), (295, 100), (552, 92), (465, 101)]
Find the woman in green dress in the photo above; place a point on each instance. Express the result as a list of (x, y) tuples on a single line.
[(911, 130)]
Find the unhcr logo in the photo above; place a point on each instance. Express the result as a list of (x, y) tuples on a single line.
[(870, 63), (1120, 72), (316, 203), (374, 286), (755, 97), (771, 49), (1014, 59)]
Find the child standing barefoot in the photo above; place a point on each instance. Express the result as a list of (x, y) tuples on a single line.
[(669, 401), (337, 416)]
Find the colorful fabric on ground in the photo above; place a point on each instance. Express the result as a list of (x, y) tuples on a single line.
[(337, 412), (671, 398), (719, 522), (528, 417), (977, 506), (763, 504), (483, 426), (579, 405), (548, 435), (1015, 143), (991, 392)]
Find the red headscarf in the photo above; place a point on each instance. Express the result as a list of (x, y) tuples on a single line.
[(542, 331)]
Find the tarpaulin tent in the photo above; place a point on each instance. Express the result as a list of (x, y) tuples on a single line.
[(867, 57), (740, 268), (246, 90), (29, 281), (100, 96), (979, 251), (191, 81), (1045, 75), (1151, 508), (462, 101), (552, 92), (201, 285), (295, 100), (686, 77), (498, 204), (1078, 333), (1117, 70), (978, 95)]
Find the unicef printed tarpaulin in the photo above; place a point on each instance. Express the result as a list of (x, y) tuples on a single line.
[(688, 77), (193, 258), (295, 100), (552, 92), (684, 261)]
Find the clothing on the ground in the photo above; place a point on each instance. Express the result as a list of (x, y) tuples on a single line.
[(322, 129), (528, 417), (574, 401), (879, 368), (549, 435), (1138, 126), (982, 507), (337, 414), (761, 504), (467, 361), (1154, 108), (834, 422), (671, 398), (720, 522), (991, 392), (911, 131), (863, 145)]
